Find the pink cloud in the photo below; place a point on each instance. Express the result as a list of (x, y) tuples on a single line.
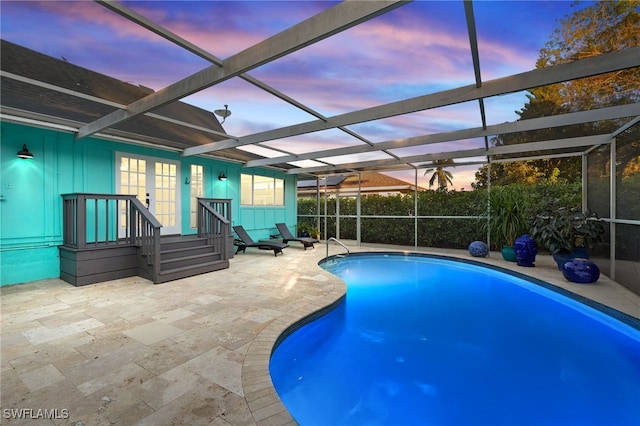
[(83, 13), (412, 51)]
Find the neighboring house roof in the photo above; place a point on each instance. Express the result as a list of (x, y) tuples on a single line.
[(330, 181), (370, 182), (57, 102)]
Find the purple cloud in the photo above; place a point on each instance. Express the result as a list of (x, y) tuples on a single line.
[(417, 49)]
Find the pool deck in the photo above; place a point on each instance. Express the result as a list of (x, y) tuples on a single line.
[(188, 352)]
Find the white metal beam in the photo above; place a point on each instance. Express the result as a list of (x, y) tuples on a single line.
[(626, 126), (179, 41), (538, 157), (609, 113), (615, 61), (582, 141), (104, 102), (321, 26), (468, 153)]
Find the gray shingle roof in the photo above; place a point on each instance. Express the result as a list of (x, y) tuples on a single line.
[(34, 101)]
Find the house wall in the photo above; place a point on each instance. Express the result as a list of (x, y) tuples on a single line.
[(31, 202)]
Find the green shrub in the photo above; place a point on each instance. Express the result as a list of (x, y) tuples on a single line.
[(432, 232)]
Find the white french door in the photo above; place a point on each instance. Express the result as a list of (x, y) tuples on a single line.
[(155, 182)]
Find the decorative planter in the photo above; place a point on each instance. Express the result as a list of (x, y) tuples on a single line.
[(526, 249), (581, 271), (562, 258), (478, 249), (508, 253)]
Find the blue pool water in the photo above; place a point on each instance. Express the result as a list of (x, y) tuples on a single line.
[(420, 340)]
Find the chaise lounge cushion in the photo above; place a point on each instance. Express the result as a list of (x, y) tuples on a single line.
[(244, 241), (287, 236)]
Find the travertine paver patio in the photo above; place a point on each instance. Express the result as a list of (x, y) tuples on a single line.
[(188, 352)]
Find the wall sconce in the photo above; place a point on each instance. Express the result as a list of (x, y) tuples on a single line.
[(24, 153), (187, 181), (222, 176)]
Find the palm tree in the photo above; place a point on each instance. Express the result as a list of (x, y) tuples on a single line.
[(444, 177)]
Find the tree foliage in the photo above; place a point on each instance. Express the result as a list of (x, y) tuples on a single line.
[(600, 28), (529, 172), (604, 27), (444, 177), (445, 232)]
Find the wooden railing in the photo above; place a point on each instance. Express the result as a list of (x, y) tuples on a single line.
[(104, 220), (214, 224), (96, 221)]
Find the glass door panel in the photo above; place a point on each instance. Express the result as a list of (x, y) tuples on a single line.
[(155, 183)]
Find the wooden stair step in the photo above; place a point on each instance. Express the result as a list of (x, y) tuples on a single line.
[(191, 270), (172, 244), (184, 252), (189, 260)]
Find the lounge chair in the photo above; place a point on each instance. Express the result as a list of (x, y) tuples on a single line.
[(245, 241), (287, 236)]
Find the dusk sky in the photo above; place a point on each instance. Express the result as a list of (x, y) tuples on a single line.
[(416, 49)]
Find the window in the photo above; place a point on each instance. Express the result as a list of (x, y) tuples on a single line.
[(197, 190), (261, 191), (246, 190)]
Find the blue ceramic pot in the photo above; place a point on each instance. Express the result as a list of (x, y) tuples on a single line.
[(478, 249), (526, 249), (564, 257), (508, 253), (581, 271)]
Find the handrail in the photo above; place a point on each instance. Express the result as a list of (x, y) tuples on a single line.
[(145, 232), (213, 226), (221, 205), (103, 219), (92, 220), (214, 213), (339, 242), (145, 213), (99, 220)]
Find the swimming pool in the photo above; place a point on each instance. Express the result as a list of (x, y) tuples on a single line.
[(426, 340)]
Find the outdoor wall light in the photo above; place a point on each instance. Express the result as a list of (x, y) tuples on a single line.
[(24, 153), (222, 176)]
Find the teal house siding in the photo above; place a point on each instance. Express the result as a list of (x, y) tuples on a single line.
[(31, 202), (260, 221)]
